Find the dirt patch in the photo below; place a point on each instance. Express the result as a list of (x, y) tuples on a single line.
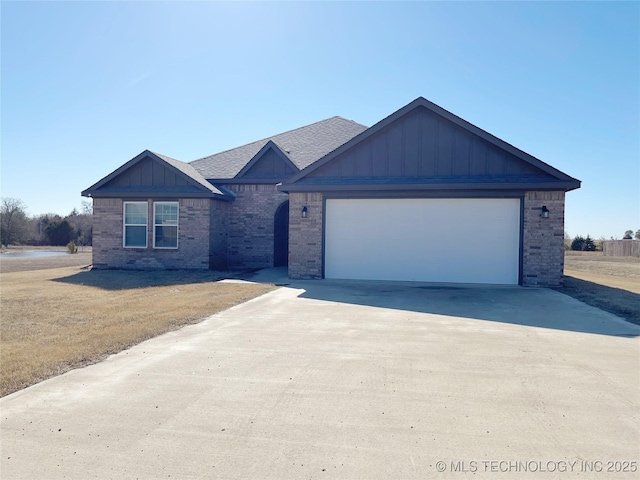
[(57, 319), (609, 283)]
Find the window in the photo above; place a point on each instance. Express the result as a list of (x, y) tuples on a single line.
[(165, 225), (135, 225)]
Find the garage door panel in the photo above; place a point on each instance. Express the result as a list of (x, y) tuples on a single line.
[(439, 240)]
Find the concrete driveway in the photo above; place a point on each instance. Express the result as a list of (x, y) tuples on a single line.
[(339, 379)]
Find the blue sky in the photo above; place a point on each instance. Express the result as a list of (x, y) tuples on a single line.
[(86, 86)]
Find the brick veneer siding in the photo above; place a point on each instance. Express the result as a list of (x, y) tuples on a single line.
[(305, 235), (543, 240), (193, 238), (250, 225), (218, 235)]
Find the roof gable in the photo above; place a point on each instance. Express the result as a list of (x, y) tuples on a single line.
[(151, 173), (302, 146), (424, 144), (270, 163)]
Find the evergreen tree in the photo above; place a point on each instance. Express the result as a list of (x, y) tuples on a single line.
[(578, 243), (589, 245), (59, 232)]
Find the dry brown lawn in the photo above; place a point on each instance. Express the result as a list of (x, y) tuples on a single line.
[(57, 319), (9, 263), (623, 268), (609, 283)]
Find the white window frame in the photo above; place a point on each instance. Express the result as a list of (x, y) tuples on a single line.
[(177, 225), (125, 225)]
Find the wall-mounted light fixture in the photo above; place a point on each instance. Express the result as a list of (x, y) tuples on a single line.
[(545, 212), (304, 212)]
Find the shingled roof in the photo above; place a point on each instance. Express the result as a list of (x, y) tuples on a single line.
[(303, 146), (190, 172)]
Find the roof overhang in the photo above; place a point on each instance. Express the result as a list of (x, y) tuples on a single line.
[(156, 193), (425, 186), (300, 181)]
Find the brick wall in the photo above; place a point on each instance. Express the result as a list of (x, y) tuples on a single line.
[(107, 230), (193, 238), (305, 235), (543, 240), (218, 235), (250, 225)]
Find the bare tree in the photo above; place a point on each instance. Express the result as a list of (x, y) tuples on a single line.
[(87, 207), (13, 221)]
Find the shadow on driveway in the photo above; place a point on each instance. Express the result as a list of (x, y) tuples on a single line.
[(534, 307)]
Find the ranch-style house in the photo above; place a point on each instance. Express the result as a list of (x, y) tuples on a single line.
[(422, 195)]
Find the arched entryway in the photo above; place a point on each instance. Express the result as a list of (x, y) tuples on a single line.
[(281, 236)]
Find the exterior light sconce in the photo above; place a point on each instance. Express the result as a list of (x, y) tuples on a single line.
[(305, 210), (545, 212)]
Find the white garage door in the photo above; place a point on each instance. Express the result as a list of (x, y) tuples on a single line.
[(432, 240)]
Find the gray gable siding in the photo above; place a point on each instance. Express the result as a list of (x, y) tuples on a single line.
[(152, 174), (424, 147), (269, 166), (423, 144), (147, 173)]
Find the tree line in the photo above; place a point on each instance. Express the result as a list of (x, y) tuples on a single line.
[(17, 228), (628, 235), (588, 244)]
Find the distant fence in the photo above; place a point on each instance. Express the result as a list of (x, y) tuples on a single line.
[(621, 248)]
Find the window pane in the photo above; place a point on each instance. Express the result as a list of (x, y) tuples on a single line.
[(166, 237), (166, 213), (135, 236), (135, 213)]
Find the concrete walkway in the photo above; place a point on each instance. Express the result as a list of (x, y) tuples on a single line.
[(345, 379)]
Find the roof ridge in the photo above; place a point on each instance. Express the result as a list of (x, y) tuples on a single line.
[(166, 156), (277, 134)]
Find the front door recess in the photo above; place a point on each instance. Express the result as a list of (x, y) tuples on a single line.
[(281, 236)]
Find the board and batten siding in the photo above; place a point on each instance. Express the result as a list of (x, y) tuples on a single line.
[(149, 177), (423, 144), (269, 166)]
